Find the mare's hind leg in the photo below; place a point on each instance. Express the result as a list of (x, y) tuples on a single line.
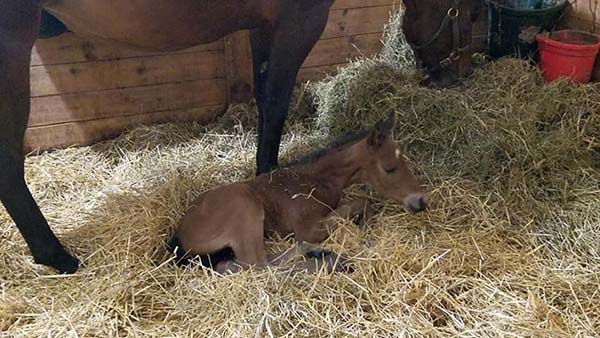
[(278, 52), (19, 22)]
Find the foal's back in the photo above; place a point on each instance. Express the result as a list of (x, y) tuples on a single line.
[(292, 196)]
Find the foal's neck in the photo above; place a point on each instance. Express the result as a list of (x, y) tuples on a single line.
[(338, 168)]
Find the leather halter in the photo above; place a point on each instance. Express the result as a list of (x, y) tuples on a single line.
[(450, 18)]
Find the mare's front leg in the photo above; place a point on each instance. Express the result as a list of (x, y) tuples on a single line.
[(278, 51), (19, 23)]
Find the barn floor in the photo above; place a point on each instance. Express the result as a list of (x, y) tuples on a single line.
[(510, 246)]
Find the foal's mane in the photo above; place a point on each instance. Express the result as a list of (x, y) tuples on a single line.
[(337, 144)]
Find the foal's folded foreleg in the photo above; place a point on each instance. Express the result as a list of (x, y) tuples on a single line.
[(359, 211), (317, 257)]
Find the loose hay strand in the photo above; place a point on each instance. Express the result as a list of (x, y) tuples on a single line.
[(508, 247)]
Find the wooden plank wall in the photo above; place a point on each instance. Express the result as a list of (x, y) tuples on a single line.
[(585, 15), (480, 30), (83, 91)]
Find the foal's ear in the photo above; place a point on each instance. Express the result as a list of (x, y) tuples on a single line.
[(382, 130)]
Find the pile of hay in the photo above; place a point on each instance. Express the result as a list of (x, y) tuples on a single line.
[(510, 245)]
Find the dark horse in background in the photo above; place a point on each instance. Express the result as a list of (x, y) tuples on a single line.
[(282, 34)]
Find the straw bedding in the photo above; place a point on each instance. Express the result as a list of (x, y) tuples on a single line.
[(508, 248)]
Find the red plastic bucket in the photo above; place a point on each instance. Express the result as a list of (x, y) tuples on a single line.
[(568, 53)]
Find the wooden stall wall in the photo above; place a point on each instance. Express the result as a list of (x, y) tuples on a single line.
[(83, 91), (480, 30), (585, 15)]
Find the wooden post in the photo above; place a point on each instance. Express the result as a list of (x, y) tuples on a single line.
[(238, 58)]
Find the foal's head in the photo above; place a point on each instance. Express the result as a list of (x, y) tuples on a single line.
[(386, 170)]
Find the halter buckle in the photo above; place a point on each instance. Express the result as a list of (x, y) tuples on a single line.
[(454, 55), (446, 62), (453, 12)]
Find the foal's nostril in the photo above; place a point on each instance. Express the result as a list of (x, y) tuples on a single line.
[(421, 205), (415, 203)]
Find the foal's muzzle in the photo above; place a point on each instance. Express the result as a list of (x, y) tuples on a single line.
[(415, 203)]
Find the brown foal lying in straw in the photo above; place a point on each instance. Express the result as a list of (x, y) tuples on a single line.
[(226, 226)]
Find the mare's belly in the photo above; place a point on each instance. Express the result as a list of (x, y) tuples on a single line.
[(159, 24)]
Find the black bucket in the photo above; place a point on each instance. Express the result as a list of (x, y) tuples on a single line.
[(513, 25)]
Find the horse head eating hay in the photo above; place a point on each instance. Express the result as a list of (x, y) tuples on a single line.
[(226, 226), (440, 33), (282, 34)]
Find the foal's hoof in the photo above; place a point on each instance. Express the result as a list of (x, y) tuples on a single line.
[(61, 260), (332, 261), (363, 219), (318, 253), (341, 264), (363, 211), (228, 267)]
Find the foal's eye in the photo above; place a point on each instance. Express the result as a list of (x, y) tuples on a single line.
[(389, 170)]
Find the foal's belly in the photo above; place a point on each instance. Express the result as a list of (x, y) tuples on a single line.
[(161, 24)]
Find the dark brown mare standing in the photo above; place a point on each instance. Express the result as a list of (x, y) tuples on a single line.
[(299, 198), (282, 34)]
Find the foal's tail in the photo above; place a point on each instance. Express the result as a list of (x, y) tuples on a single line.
[(174, 247)]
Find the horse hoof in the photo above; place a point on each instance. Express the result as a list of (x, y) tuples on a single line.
[(364, 212), (346, 268), (343, 264), (60, 260), (228, 267), (318, 253), (362, 220), (338, 263), (332, 261)]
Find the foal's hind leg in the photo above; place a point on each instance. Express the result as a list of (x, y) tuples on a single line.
[(315, 260), (247, 242), (279, 50), (19, 22), (274, 260)]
